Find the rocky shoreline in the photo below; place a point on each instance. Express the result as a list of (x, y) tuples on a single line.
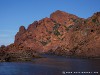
[(62, 52), (29, 55), (18, 56)]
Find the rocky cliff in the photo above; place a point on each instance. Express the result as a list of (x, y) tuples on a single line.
[(62, 34)]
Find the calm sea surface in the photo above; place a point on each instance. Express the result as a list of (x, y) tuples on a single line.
[(52, 65)]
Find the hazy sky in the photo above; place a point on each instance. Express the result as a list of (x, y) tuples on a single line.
[(14, 13)]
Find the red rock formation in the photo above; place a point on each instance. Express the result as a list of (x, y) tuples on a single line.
[(63, 18), (62, 30)]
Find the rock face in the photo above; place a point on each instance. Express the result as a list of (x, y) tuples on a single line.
[(62, 33)]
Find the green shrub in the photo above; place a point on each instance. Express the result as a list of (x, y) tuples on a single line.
[(56, 32), (56, 26), (75, 20), (97, 24), (71, 26), (44, 43), (61, 38), (68, 28), (94, 20)]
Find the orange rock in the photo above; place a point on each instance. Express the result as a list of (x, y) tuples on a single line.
[(76, 35)]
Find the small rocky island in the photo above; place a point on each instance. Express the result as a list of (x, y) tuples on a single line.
[(61, 34)]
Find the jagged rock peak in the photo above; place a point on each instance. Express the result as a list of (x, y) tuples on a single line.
[(61, 14), (22, 29), (97, 13), (95, 17), (32, 26), (63, 17)]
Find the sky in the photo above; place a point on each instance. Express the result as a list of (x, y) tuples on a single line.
[(14, 13)]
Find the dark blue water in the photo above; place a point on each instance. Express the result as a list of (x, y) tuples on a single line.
[(51, 65)]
